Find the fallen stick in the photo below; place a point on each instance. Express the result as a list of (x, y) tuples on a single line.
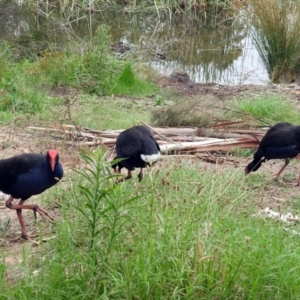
[(210, 146), (191, 145), (164, 137)]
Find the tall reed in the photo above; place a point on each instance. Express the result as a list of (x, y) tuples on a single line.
[(276, 27)]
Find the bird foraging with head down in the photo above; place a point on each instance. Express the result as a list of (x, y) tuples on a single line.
[(138, 149), (282, 141), (29, 174)]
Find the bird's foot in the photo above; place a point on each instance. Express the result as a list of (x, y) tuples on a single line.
[(120, 180), (281, 182), (42, 213), (27, 236), (288, 184), (24, 236), (123, 179)]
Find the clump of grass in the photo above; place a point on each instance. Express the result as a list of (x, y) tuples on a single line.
[(276, 36), (241, 152), (267, 110), (188, 112), (18, 94), (128, 83), (94, 70), (108, 112)]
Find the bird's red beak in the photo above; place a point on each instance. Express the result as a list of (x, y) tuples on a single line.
[(53, 158), (52, 164), (247, 171)]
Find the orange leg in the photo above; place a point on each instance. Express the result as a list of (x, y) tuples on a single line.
[(287, 161), (19, 207)]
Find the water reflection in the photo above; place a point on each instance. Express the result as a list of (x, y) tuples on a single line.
[(205, 50), (211, 49), (246, 68)]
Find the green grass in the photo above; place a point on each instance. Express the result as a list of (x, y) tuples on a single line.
[(187, 231), (267, 109), (128, 83), (29, 89), (241, 152), (192, 239), (18, 93), (105, 112)]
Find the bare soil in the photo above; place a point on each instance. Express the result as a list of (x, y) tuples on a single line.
[(14, 140)]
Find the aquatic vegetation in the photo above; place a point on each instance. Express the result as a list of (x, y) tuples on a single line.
[(276, 36)]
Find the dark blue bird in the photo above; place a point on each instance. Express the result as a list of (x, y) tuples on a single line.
[(282, 141), (29, 174), (138, 147)]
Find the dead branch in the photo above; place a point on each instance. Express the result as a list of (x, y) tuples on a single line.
[(183, 140)]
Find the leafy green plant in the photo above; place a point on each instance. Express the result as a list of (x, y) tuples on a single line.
[(129, 83), (91, 70), (56, 68), (96, 71), (17, 95), (102, 209), (99, 68)]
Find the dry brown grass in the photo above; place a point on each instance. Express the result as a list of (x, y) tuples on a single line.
[(199, 111)]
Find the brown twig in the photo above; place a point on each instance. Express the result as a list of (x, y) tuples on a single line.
[(164, 137)]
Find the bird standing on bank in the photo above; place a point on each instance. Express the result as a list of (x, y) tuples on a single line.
[(29, 174), (282, 141), (138, 147)]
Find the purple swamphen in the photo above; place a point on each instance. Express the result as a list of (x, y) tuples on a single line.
[(29, 174), (282, 141), (139, 149)]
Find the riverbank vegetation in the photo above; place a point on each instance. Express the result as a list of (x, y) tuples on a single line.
[(275, 33), (189, 230)]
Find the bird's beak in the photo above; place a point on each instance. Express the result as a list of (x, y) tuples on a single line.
[(52, 164)]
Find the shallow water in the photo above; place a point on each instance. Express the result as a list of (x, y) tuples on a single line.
[(209, 49)]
